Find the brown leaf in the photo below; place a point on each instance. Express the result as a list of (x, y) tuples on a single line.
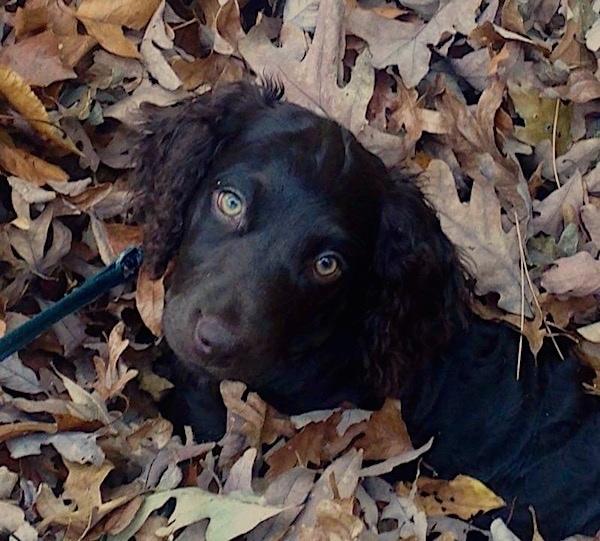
[(31, 244), (82, 487), (113, 374), (492, 254), (29, 19), (342, 475), (314, 444), (473, 139), (130, 13), (215, 68), (385, 434), (334, 520), (111, 37), (407, 44), (551, 211), (154, 41), (563, 310), (246, 416), (123, 516), (150, 300), (289, 490), (311, 79), (227, 28), (533, 330), (590, 216), (20, 163), (15, 430), (575, 276), (571, 49), (37, 59), (122, 236), (582, 87)]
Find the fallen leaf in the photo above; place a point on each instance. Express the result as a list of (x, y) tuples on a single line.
[(591, 332), (111, 37), (538, 115), (334, 520), (150, 300), (76, 447), (385, 434), (16, 430), (229, 516), (154, 41), (551, 211), (113, 374), (575, 276), (130, 13), (311, 80), (8, 481), (18, 377), (475, 227), (20, 96), (473, 139), (227, 28), (37, 59), (20, 163), (343, 473), (462, 496), (13, 523), (406, 45)]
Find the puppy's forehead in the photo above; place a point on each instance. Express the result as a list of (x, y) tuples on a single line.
[(287, 143)]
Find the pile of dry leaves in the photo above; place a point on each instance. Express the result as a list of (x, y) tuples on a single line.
[(494, 103)]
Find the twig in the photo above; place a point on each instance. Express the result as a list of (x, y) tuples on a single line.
[(522, 321), (533, 291), (554, 135)]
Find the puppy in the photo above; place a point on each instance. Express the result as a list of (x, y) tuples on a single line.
[(304, 270)]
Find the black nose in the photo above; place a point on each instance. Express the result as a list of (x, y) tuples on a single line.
[(213, 338)]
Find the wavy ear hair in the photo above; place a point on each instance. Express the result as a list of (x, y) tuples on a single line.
[(419, 298), (174, 155)]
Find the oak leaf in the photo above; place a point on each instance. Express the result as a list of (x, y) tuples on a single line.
[(311, 78), (475, 227), (407, 44)]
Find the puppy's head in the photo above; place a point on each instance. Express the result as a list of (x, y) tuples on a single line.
[(287, 234), (273, 213)]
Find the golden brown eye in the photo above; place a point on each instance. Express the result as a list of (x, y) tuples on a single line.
[(327, 267), (229, 203)]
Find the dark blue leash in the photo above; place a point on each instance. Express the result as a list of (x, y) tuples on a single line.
[(118, 272)]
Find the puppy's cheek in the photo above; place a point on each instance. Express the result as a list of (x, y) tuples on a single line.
[(179, 323)]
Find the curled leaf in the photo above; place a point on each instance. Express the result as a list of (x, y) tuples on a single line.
[(23, 100)]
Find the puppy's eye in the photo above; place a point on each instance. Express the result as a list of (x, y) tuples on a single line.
[(229, 203), (327, 267)]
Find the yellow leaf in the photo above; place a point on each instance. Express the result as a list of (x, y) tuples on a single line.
[(23, 100), (463, 496), (130, 13), (20, 163), (111, 37), (538, 115)]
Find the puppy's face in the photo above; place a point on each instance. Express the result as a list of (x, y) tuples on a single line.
[(277, 246)]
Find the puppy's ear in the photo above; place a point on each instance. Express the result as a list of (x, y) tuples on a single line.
[(173, 157), (419, 297)]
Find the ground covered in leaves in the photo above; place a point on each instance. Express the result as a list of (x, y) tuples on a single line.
[(495, 104)]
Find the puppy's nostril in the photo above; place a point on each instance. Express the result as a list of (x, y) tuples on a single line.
[(213, 337)]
